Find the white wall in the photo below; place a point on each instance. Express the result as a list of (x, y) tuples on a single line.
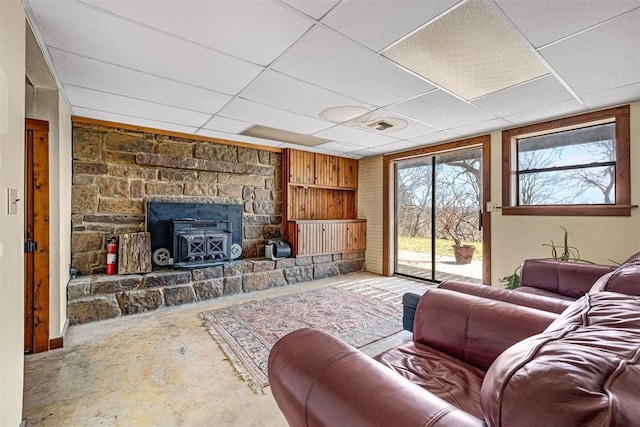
[(12, 94), (599, 239), (63, 168), (517, 237)]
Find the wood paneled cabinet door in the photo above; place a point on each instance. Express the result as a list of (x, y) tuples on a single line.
[(302, 167), (318, 237), (326, 170), (347, 172)]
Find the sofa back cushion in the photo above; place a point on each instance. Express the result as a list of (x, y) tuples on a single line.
[(584, 369), (625, 280), (565, 278)]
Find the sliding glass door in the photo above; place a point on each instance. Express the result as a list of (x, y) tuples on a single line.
[(438, 211)]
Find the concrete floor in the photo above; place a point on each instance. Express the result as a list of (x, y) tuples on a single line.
[(162, 369)]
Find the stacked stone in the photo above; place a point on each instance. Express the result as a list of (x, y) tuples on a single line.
[(115, 171), (102, 297)]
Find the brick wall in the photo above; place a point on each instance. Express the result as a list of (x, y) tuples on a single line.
[(116, 171), (370, 207)]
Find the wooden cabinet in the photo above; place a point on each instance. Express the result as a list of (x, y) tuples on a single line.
[(320, 195), (321, 170), (327, 237)]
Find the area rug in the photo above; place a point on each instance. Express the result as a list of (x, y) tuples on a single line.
[(246, 332)]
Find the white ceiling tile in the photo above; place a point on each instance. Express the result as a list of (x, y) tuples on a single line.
[(375, 151), (612, 97), (552, 111), (398, 146), (534, 94), (340, 147), (378, 23), (281, 91), (542, 22), (224, 124), (605, 57), (412, 129), (442, 110), (241, 109), (258, 31), (334, 62), (314, 8), (434, 138), (94, 100), (238, 138), (87, 31), (80, 71), (353, 136), (483, 127), (135, 121)]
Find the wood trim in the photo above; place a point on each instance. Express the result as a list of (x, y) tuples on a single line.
[(484, 141), (623, 166), (386, 217), (327, 187), (326, 221), (570, 210), (438, 148), (40, 232), (56, 343), (28, 233), (75, 120), (486, 216)]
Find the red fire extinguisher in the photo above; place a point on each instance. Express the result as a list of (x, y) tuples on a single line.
[(112, 250)]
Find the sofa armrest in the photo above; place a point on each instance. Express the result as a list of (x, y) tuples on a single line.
[(552, 305), (318, 380), (474, 329), (570, 279)]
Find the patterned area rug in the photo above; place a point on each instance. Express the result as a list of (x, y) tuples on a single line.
[(246, 332)]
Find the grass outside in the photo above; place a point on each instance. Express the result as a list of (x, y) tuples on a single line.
[(443, 246)]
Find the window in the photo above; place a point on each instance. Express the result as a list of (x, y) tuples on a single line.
[(572, 166)]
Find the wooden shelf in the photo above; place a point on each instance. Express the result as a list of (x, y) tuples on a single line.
[(293, 184)]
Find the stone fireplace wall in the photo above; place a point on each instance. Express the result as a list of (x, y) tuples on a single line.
[(115, 171)]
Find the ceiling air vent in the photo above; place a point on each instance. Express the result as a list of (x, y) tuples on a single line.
[(380, 125)]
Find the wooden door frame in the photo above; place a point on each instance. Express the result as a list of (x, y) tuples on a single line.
[(37, 208), (484, 142)]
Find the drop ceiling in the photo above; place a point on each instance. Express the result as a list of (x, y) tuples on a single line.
[(440, 69)]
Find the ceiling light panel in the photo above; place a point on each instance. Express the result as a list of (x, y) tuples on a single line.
[(334, 62), (91, 99), (284, 136), (610, 52), (258, 31), (469, 51), (543, 22), (110, 39), (546, 90), (314, 8), (238, 138), (353, 136), (439, 109), (135, 121), (224, 124), (241, 109), (378, 23), (81, 71), (279, 90)]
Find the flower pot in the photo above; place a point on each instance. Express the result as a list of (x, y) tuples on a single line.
[(463, 253)]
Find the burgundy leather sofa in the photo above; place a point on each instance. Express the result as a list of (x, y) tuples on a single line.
[(473, 361)]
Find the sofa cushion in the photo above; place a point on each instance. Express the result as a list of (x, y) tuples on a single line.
[(454, 381), (583, 370), (625, 280), (543, 293)]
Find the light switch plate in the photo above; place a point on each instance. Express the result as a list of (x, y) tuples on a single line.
[(12, 201)]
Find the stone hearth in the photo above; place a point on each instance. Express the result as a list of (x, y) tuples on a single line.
[(100, 297)]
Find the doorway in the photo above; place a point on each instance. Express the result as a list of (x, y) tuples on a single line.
[(441, 230), (36, 236)]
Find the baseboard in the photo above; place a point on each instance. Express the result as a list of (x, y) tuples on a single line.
[(56, 343)]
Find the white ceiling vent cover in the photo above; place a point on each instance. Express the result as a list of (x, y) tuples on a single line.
[(383, 124)]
